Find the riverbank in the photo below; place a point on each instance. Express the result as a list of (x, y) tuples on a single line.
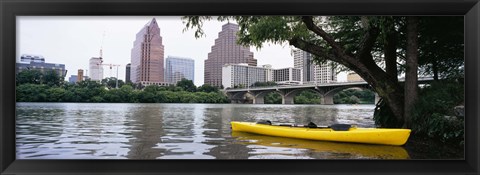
[(420, 147)]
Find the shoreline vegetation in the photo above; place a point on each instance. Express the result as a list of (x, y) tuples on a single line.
[(35, 86)]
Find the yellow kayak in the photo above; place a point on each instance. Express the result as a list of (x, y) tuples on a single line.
[(350, 134)]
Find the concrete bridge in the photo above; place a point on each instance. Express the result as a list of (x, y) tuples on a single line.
[(325, 91)]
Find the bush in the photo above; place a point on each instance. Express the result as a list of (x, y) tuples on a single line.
[(433, 113)]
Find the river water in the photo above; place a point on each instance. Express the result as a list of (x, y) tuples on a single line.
[(183, 131)]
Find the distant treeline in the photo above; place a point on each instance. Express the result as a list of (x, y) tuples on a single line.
[(35, 86)]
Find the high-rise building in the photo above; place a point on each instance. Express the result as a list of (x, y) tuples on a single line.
[(147, 56), (80, 75), (96, 68), (243, 75), (287, 76), (303, 60), (311, 72), (325, 73), (226, 51), (235, 75), (177, 68), (38, 63), (127, 73)]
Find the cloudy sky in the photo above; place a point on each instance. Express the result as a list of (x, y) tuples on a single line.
[(74, 40)]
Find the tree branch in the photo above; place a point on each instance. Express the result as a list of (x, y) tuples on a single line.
[(366, 45), (314, 49), (308, 20)]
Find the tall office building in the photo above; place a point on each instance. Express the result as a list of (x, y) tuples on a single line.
[(234, 75), (96, 68), (177, 68), (325, 73), (288, 76), (303, 60), (311, 72), (226, 51), (127, 73), (79, 75), (147, 56), (243, 75)]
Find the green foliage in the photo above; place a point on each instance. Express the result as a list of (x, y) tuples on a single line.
[(307, 97), (442, 46), (29, 76), (207, 88), (51, 78), (111, 82), (273, 98), (433, 112), (354, 96), (187, 85), (94, 92), (436, 102)]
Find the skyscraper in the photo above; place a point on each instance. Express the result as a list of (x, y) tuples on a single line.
[(96, 68), (311, 72), (303, 60), (226, 51), (80, 75), (127, 73), (177, 68), (147, 56), (242, 75)]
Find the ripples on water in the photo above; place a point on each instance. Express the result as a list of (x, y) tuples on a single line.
[(183, 131)]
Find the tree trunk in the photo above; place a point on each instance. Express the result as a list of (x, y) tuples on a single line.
[(411, 75), (435, 70), (390, 49), (362, 63)]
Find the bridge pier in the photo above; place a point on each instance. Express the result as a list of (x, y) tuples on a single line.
[(258, 100), (327, 99), (287, 99)]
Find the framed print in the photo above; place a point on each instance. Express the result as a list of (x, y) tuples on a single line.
[(154, 87)]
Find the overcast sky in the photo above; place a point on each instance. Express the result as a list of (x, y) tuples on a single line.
[(74, 40)]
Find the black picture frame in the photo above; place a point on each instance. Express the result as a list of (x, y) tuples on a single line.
[(9, 9)]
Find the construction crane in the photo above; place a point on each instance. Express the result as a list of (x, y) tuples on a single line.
[(111, 65)]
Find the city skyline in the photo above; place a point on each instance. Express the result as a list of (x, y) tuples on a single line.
[(74, 40)]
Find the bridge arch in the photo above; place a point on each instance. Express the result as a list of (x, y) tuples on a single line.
[(239, 97), (260, 96), (328, 96), (290, 95)]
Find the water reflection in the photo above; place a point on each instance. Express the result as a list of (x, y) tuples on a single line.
[(175, 131), (279, 147)]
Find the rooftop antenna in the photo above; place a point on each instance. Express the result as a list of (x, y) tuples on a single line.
[(101, 46)]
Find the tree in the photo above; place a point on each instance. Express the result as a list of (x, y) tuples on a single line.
[(372, 40), (441, 44), (411, 77), (52, 78), (111, 82), (187, 85), (29, 76), (207, 88)]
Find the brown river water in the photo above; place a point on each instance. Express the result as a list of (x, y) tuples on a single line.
[(185, 131)]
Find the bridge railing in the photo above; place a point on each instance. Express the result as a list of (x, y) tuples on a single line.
[(313, 85)]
